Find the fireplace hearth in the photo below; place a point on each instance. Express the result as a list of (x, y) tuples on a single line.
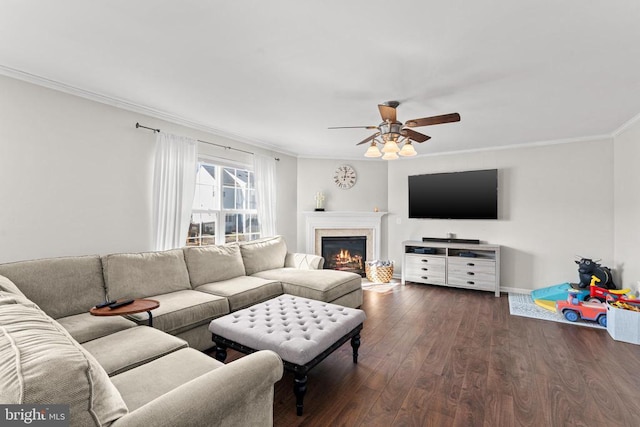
[(345, 253)]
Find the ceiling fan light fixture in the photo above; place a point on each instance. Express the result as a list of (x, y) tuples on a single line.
[(390, 147), (389, 156), (408, 150), (373, 150)]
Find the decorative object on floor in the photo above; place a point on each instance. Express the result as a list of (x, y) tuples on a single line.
[(379, 271), (588, 267), (319, 201), (523, 305), (392, 132)]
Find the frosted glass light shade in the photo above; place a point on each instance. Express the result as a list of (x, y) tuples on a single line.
[(408, 150), (389, 156), (390, 147), (373, 151)]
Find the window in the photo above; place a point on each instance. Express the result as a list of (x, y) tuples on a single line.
[(224, 206)]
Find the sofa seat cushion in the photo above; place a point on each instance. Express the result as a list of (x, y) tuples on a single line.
[(183, 310), (243, 291), (263, 254), (132, 347), (85, 327), (42, 364), (145, 383), (142, 275), (60, 286), (321, 285), (213, 263)]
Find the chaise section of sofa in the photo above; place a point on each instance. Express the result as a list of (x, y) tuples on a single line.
[(299, 274)]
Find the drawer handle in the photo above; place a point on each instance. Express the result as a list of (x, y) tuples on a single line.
[(424, 269), (470, 282), (470, 264), (470, 273), (424, 260), (424, 277)]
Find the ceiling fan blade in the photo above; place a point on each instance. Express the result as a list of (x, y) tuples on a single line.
[(416, 136), (435, 120), (364, 141), (353, 127), (388, 112)]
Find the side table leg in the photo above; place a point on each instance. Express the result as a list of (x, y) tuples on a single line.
[(150, 318), (221, 352), (355, 343), (299, 389)]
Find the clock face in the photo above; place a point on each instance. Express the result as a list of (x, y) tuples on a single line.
[(345, 177)]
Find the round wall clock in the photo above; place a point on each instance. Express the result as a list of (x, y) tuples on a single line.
[(345, 177)]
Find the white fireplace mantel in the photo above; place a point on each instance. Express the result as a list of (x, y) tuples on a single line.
[(336, 220)]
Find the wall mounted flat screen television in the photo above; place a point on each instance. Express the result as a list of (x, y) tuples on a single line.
[(455, 195)]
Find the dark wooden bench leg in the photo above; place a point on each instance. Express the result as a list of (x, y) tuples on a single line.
[(355, 343), (299, 389), (221, 352)]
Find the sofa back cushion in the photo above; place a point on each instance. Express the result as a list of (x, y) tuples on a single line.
[(141, 275), (41, 364), (263, 254), (207, 264), (60, 286)]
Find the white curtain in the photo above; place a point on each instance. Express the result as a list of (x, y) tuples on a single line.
[(264, 168), (174, 183)]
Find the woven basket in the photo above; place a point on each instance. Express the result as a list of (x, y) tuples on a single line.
[(379, 274)]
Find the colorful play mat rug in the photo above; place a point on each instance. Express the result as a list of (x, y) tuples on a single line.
[(523, 305)]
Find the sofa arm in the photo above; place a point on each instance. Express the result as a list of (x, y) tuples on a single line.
[(304, 261), (239, 393)]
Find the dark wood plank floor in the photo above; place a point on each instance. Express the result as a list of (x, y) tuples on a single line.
[(434, 356)]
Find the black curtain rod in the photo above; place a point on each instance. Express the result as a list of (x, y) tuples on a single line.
[(138, 125)]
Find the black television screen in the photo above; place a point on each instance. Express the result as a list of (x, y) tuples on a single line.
[(455, 195)]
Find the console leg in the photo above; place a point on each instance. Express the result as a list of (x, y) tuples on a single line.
[(299, 389), (221, 352), (355, 343)]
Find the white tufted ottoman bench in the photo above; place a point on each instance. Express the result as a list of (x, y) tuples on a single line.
[(302, 331)]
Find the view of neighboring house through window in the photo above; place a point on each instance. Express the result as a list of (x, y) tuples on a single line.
[(224, 206)]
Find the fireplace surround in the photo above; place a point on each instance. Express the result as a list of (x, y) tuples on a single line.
[(343, 223)]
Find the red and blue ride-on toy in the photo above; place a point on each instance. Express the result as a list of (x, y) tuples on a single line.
[(573, 309)]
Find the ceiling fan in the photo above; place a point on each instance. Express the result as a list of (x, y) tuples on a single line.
[(391, 131)]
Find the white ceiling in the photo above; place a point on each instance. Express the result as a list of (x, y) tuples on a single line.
[(278, 73)]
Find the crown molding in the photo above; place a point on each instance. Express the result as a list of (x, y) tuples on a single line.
[(626, 125), (136, 108)]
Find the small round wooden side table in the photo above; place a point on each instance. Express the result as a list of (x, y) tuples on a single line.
[(137, 306)]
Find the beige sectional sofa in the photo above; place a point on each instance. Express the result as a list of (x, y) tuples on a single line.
[(126, 373)]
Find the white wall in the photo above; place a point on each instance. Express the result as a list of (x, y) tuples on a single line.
[(369, 192), (555, 202), (75, 175), (627, 206)]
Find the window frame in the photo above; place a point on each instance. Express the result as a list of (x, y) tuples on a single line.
[(219, 212)]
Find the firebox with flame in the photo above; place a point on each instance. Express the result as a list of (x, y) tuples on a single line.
[(344, 259)]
